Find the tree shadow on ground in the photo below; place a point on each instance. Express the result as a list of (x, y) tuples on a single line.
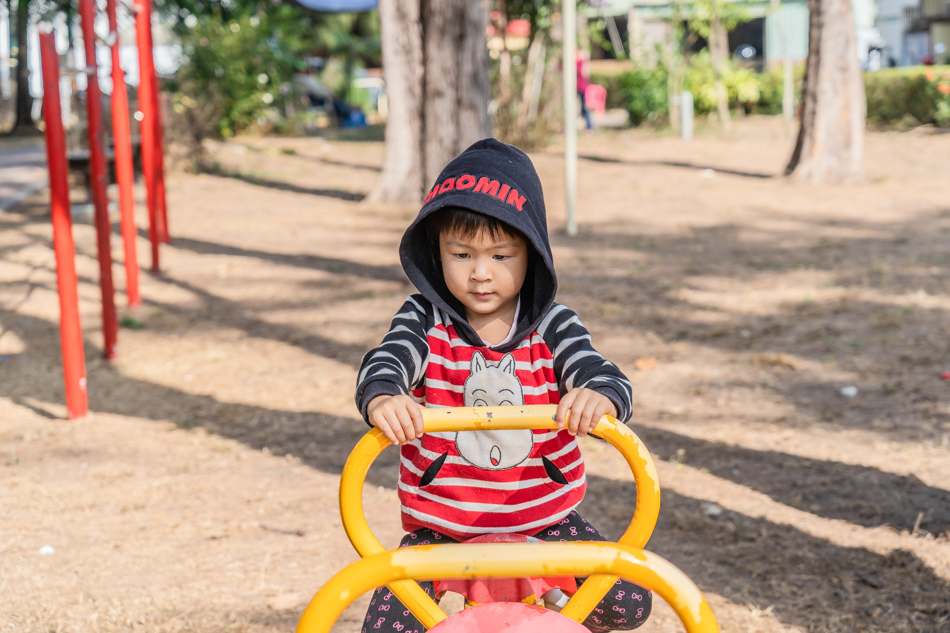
[(817, 585), (671, 287), (857, 494), (860, 495), (804, 581), (863, 496), (749, 561), (337, 163), (320, 440), (300, 260), (673, 163), (257, 181), (225, 313)]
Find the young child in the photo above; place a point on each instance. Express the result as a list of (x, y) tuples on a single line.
[(484, 330)]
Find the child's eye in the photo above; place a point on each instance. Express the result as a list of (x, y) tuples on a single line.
[(461, 255), (501, 258)]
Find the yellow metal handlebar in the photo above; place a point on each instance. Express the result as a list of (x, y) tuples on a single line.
[(498, 418), (505, 560)]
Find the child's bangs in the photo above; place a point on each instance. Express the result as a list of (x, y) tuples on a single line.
[(466, 224)]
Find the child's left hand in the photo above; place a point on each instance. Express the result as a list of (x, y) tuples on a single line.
[(586, 408)]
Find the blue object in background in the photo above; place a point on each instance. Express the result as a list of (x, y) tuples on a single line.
[(339, 6), (354, 119)]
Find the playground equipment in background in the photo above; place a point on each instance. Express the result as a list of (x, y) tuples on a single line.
[(97, 168), (602, 562), (67, 282), (70, 331), (122, 148), (153, 138)]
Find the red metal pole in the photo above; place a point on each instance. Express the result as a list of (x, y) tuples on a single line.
[(97, 168), (143, 41), (70, 330), (97, 165), (159, 164), (122, 135)]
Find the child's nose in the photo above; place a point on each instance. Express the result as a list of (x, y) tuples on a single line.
[(482, 270)]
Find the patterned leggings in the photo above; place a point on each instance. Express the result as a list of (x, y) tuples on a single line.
[(626, 606)]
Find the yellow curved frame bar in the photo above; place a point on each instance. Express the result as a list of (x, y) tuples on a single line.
[(497, 418), (505, 560)]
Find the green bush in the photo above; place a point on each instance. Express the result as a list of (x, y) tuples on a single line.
[(741, 85), (230, 57), (243, 63), (771, 89), (644, 92), (895, 96), (908, 96)]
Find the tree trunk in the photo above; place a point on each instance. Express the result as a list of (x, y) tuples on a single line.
[(23, 121), (831, 138), (435, 62), (532, 85)]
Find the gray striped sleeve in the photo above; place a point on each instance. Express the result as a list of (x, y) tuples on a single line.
[(578, 365), (398, 364)]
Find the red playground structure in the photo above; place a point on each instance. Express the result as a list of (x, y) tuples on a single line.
[(153, 161)]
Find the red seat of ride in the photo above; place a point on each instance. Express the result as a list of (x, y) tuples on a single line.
[(508, 617), (486, 590)]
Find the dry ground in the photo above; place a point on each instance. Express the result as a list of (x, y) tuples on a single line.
[(200, 496)]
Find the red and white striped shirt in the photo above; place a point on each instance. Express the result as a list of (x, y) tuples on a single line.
[(480, 482)]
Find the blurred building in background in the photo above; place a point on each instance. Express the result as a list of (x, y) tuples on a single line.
[(927, 32), (888, 32)]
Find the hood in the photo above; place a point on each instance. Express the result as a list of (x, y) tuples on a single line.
[(497, 180)]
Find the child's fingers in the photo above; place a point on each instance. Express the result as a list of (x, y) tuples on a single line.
[(563, 407), (376, 415), (581, 414), (383, 425), (597, 411), (587, 408), (391, 434), (397, 428), (406, 425), (578, 411), (398, 417), (415, 413), (409, 416)]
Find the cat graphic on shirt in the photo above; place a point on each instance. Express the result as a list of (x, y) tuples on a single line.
[(489, 385)]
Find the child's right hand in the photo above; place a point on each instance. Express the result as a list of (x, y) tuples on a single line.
[(398, 417)]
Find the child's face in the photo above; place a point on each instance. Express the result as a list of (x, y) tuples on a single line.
[(484, 273)]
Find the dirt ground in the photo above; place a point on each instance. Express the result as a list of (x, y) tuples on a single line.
[(201, 494)]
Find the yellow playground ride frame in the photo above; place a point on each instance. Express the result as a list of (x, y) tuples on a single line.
[(603, 562)]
